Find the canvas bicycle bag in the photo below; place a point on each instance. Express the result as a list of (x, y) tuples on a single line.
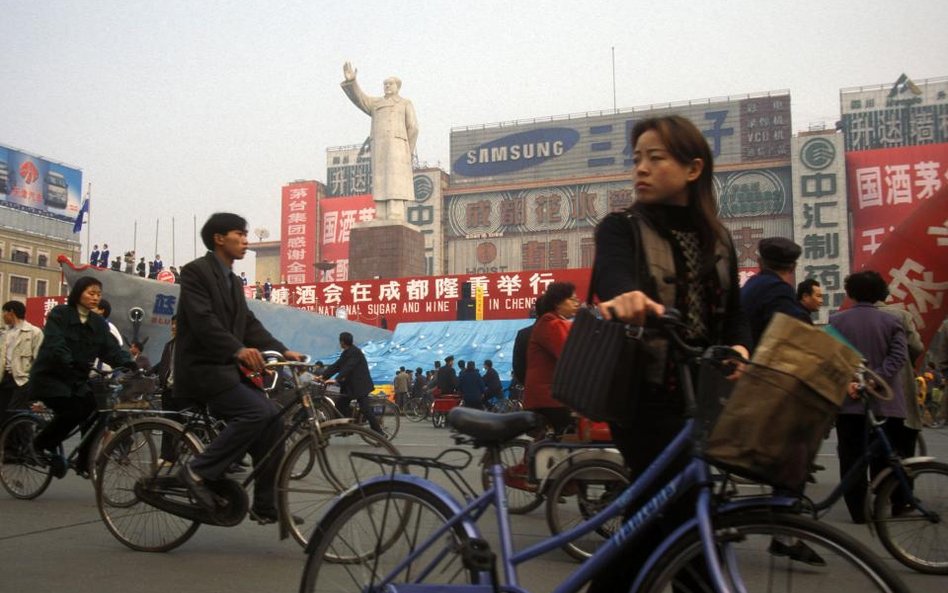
[(773, 424)]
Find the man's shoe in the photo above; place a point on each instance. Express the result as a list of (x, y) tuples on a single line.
[(196, 487), (269, 516), (57, 465), (799, 551)]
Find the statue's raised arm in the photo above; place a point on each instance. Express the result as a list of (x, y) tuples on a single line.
[(349, 72), (393, 136)]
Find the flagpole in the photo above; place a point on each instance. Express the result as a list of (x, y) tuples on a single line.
[(89, 214), (156, 235), (173, 262)]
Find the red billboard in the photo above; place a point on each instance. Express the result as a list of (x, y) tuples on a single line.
[(888, 185), (338, 215), (298, 229), (507, 295)]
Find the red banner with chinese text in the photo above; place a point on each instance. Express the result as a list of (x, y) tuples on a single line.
[(914, 261), (507, 295), (337, 216), (887, 186), (298, 230)]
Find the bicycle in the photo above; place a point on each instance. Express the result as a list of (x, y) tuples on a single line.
[(913, 530), (26, 473), (417, 407), (146, 507), (404, 533), (386, 412)]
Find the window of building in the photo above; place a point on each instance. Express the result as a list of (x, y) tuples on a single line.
[(42, 259), (19, 285), (19, 255), (41, 287)]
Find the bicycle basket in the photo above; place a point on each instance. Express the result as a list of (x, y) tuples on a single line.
[(773, 424), (136, 388), (105, 393)]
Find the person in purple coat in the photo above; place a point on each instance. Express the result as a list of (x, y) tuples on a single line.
[(880, 338)]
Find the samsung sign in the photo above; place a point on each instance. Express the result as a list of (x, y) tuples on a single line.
[(516, 152)]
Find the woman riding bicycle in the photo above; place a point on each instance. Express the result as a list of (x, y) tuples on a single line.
[(673, 222), (74, 336)]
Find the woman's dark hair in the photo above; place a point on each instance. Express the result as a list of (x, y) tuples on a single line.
[(866, 286), (220, 223), (470, 365), (556, 293), (80, 287), (685, 143)]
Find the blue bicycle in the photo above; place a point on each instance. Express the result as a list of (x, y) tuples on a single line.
[(407, 534)]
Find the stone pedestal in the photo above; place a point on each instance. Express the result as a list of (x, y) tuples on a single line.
[(385, 249)]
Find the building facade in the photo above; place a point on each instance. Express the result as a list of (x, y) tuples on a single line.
[(29, 247)]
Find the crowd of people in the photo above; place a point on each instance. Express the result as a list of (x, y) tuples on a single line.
[(667, 250), (127, 263)]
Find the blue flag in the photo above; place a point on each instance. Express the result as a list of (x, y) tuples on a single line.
[(79, 217)]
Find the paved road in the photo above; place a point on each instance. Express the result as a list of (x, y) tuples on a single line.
[(58, 544)]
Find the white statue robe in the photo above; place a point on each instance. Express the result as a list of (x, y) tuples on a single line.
[(394, 131)]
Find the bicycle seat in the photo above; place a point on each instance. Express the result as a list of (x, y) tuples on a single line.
[(488, 427)]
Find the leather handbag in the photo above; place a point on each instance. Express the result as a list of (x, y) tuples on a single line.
[(596, 373)]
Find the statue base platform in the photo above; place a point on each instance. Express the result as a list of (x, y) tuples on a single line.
[(385, 249)]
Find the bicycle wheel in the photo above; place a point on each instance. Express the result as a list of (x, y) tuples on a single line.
[(24, 471), (374, 529), (849, 566), (389, 417), (132, 454), (415, 409), (579, 493), (522, 496), (305, 487), (917, 541)]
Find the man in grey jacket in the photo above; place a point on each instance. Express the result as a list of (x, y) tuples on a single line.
[(19, 345)]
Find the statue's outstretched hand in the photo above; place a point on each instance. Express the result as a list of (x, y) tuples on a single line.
[(348, 71)]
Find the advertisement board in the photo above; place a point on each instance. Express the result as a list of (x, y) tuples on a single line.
[(298, 232), (426, 298), (888, 185), (739, 130), (337, 216), (574, 248), (349, 170), (425, 213), (903, 113), (34, 184), (820, 221)]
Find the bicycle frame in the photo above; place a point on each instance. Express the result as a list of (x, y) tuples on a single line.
[(695, 474), (880, 448)]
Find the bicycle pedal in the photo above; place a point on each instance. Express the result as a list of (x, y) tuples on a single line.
[(477, 555)]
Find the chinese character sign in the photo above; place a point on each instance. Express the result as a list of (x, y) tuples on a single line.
[(337, 216), (505, 295), (820, 225), (914, 260), (299, 228), (887, 186)]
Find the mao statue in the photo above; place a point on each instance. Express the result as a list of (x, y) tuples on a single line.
[(394, 131)]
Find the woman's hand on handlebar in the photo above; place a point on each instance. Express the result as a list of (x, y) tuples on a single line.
[(738, 365), (630, 307)]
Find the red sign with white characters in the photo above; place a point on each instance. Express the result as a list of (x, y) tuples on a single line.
[(337, 216), (507, 295), (887, 186), (298, 229)]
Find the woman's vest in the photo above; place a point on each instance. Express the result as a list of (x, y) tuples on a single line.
[(659, 259)]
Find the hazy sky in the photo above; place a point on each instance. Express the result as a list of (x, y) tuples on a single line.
[(182, 108)]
